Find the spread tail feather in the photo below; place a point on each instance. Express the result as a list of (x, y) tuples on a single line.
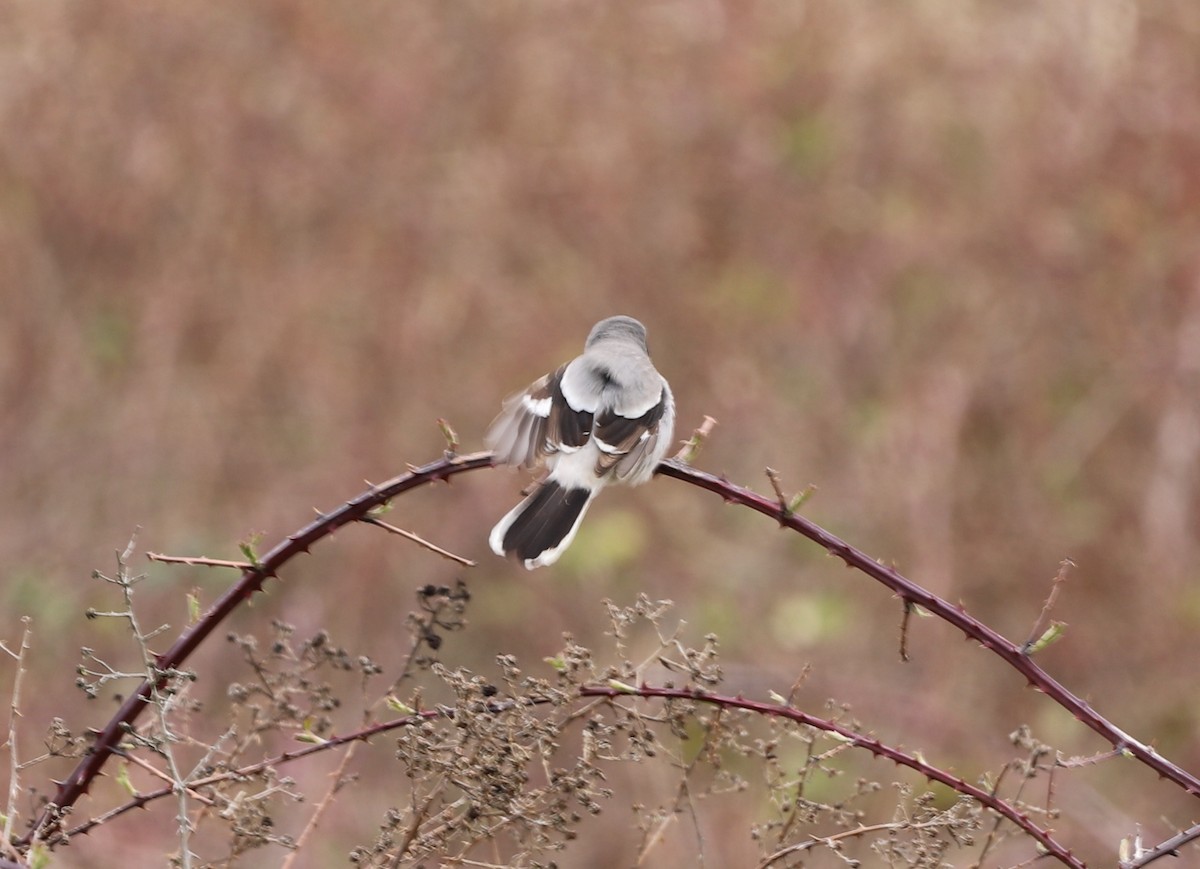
[(540, 528)]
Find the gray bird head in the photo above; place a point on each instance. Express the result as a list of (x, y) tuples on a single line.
[(621, 328)]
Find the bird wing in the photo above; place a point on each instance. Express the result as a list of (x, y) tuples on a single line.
[(538, 421), (633, 446)]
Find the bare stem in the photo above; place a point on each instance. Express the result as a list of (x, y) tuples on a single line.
[(336, 785), (420, 541), (198, 561), (14, 713)]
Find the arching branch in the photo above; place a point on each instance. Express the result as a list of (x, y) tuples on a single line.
[(253, 577), (910, 592)]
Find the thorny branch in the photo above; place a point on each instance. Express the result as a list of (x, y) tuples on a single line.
[(956, 615), (254, 575)]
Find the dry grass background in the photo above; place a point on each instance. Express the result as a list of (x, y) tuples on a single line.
[(939, 259)]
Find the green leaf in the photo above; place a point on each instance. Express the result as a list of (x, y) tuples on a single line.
[(395, 704), (124, 781), (249, 548), (1050, 635), (38, 856)]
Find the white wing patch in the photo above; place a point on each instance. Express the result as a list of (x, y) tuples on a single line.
[(537, 406)]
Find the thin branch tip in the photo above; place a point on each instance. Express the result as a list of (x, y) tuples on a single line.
[(420, 541), (693, 445)]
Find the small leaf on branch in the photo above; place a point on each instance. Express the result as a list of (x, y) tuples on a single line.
[(395, 704), (1050, 635), (38, 856), (249, 548), (618, 685), (449, 434), (786, 504), (124, 781), (801, 498)]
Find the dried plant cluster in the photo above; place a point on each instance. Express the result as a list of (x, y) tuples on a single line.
[(506, 771)]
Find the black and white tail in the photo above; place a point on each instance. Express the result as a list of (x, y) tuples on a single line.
[(540, 528)]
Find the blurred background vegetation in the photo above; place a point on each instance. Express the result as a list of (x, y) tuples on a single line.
[(940, 259)]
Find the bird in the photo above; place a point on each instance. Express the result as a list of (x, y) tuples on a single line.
[(607, 416)]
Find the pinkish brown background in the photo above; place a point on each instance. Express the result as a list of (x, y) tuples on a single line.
[(939, 259)]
